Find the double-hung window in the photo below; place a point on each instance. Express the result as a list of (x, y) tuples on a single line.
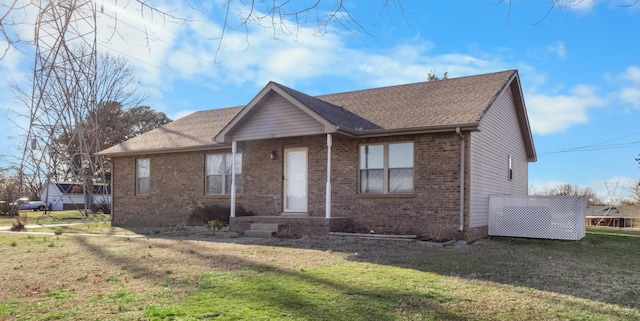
[(219, 169), (143, 175), (386, 168)]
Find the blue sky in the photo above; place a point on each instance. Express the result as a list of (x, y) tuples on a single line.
[(579, 66)]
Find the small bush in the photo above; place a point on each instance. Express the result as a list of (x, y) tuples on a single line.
[(214, 225), (202, 215), (18, 225), (101, 207)]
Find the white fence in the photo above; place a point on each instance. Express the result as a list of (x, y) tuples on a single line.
[(548, 217)]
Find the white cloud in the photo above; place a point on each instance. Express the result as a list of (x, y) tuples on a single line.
[(558, 49), (631, 96), (145, 40), (162, 52), (580, 5), (551, 114), (608, 190), (615, 189), (632, 73), (629, 93)]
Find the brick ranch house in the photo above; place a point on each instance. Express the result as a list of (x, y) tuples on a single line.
[(411, 159)]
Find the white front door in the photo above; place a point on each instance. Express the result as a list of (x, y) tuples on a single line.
[(295, 180)]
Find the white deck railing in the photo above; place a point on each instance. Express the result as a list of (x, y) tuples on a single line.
[(548, 217)]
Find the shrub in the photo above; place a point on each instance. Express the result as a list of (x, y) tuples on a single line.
[(20, 223), (103, 207), (214, 225), (202, 215)]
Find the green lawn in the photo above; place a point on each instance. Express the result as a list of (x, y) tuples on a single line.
[(328, 278), (54, 217)]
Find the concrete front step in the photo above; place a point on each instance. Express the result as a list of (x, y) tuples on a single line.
[(264, 227), (264, 230), (259, 233)]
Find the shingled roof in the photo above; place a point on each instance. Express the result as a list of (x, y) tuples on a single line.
[(434, 105), (192, 132), (451, 102)]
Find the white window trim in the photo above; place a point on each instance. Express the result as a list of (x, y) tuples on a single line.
[(138, 177), (224, 174), (385, 169)]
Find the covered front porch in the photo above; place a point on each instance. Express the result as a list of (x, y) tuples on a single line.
[(286, 144)]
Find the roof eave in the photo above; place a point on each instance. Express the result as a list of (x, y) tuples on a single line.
[(165, 150), (525, 127), (407, 131)]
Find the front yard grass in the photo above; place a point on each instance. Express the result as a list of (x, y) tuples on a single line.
[(54, 217), (60, 277)]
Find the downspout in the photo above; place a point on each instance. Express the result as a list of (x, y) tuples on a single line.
[(110, 189), (462, 175)]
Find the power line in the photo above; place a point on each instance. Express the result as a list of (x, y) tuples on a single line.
[(596, 146), (584, 149)]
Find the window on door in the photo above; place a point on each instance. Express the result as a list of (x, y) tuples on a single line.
[(386, 168), (219, 171)]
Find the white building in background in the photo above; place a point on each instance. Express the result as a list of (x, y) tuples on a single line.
[(70, 196)]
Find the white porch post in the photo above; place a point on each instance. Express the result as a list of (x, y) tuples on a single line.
[(328, 198), (233, 179)]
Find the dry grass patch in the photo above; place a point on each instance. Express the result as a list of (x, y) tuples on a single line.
[(90, 278), (54, 217), (118, 278)]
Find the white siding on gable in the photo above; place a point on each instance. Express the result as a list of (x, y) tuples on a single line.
[(499, 137), (277, 117)]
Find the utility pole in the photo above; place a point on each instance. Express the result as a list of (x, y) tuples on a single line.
[(63, 95)]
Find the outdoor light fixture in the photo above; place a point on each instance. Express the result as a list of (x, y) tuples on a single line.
[(273, 155)]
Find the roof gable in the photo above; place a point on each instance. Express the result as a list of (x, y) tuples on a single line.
[(336, 115), (276, 117), (310, 115)]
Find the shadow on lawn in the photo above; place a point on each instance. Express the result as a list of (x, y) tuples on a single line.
[(261, 290), (596, 268), (591, 269)]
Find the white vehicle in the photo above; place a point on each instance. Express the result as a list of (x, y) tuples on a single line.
[(24, 203)]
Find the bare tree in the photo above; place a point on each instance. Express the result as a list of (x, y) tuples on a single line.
[(67, 123), (283, 18), (569, 190), (564, 5)]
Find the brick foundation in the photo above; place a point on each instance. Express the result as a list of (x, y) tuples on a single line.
[(295, 226)]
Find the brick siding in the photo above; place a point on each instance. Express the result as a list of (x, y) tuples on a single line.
[(177, 186)]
